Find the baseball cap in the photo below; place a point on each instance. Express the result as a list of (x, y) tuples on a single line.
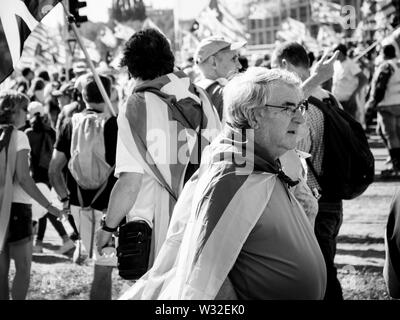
[(80, 67), (211, 45), (35, 107), (65, 89)]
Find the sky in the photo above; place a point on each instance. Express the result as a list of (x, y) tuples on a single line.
[(97, 10)]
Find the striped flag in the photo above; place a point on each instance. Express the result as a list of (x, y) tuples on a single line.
[(216, 19), (292, 30), (327, 37), (164, 139), (377, 14), (326, 12), (18, 19), (208, 227)]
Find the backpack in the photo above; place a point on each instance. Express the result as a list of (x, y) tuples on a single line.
[(348, 165), (88, 165)]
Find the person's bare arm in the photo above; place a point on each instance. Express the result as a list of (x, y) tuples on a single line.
[(28, 184), (323, 72), (57, 164), (122, 199)]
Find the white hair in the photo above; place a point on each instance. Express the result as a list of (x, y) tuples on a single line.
[(250, 89)]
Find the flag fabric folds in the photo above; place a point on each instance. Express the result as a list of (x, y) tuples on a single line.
[(18, 19), (216, 19), (326, 11), (208, 227), (164, 140)]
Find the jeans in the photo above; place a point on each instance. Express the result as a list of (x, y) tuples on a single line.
[(56, 224), (327, 224), (389, 122)]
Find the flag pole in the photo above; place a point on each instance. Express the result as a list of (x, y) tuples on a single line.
[(89, 61), (363, 53)]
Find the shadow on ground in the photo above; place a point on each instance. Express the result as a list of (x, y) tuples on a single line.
[(360, 239), (49, 258)]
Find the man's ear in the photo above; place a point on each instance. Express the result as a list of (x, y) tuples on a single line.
[(285, 64), (253, 119)]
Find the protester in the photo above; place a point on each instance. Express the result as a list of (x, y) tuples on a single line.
[(17, 188), (36, 91), (391, 270), (293, 57), (237, 222), (27, 76), (145, 191), (385, 97), (41, 140), (218, 61), (87, 205), (348, 80)]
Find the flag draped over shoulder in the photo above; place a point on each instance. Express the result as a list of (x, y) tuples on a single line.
[(17, 20), (208, 226), (164, 139), (8, 155)]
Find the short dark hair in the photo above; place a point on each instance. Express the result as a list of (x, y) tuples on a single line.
[(389, 52), (342, 48), (37, 84), (91, 91), (292, 52), (26, 71), (10, 102), (148, 55), (44, 75)]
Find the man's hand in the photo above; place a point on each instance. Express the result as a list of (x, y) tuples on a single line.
[(323, 70), (102, 239)]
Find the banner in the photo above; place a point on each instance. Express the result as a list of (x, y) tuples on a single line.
[(17, 20)]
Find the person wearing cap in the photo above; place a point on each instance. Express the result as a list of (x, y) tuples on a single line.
[(79, 69), (218, 61)]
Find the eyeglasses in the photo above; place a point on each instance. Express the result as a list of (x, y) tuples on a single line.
[(291, 109)]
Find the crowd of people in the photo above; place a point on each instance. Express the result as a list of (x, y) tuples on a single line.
[(219, 158)]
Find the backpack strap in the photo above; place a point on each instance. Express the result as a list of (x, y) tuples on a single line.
[(171, 101)]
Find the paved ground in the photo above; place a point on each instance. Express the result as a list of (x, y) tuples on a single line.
[(361, 238)]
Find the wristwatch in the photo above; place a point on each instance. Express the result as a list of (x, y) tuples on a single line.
[(105, 227)]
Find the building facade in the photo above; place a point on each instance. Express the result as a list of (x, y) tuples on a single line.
[(263, 30)]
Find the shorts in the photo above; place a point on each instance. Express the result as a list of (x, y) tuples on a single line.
[(88, 222), (20, 225)]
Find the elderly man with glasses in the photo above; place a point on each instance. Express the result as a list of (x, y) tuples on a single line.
[(237, 230)]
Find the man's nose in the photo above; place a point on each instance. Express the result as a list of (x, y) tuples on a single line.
[(299, 117)]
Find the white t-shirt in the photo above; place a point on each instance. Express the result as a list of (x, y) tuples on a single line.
[(144, 207), (20, 196), (345, 81)]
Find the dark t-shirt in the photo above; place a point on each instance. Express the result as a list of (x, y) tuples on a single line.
[(63, 144), (42, 143)]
